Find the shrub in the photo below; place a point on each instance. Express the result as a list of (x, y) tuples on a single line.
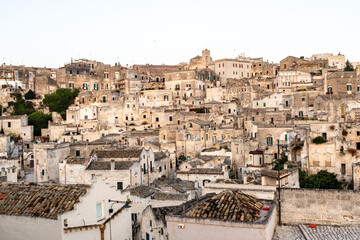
[(344, 132), (321, 180), (319, 140), (30, 95)]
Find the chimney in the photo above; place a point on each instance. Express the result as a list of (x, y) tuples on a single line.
[(12, 174), (285, 166), (112, 164)]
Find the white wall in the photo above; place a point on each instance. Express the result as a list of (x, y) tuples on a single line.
[(29, 228)]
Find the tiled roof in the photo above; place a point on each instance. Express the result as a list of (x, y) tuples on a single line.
[(74, 160), (128, 153), (47, 201), (178, 184), (206, 158), (106, 165), (169, 196), (202, 171), (227, 206), (274, 173), (142, 191), (159, 155)]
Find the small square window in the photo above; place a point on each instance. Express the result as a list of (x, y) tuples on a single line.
[(119, 185)]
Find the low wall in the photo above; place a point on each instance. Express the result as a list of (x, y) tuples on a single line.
[(258, 191), (326, 207)]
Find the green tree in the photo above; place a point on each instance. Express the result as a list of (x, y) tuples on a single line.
[(60, 100), (322, 180), (182, 158), (282, 161), (21, 107), (348, 66), (30, 95), (39, 120)]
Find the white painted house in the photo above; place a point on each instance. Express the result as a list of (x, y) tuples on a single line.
[(63, 212)]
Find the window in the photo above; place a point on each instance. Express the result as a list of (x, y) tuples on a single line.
[(150, 223), (358, 133), (160, 169), (119, 185), (9, 124), (134, 217), (264, 104), (348, 87), (303, 99), (104, 98), (269, 141), (78, 153), (144, 168), (285, 137), (170, 118), (343, 168), (301, 114), (286, 103), (144, 116), (43, 172), (157, 119), (99, 210)]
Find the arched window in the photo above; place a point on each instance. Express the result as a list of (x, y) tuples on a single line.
[(269, 141)]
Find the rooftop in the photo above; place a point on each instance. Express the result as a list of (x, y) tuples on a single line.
[(178, 184), (228, 205), (128, 153), (202, 171), (106, 165), (47, 201), (142, 191)]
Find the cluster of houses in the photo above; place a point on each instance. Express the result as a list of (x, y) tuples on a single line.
[(173, 151)]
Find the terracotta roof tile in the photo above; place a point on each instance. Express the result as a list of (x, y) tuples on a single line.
[(128, 153), (227, 206), (47, 201), (106, 165)]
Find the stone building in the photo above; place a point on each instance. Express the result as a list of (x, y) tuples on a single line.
[(212, 218), (17, 125)]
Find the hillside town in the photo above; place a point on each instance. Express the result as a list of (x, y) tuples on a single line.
[(205, 149)]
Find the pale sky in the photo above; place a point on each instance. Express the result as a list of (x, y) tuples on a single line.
[(49, 32)]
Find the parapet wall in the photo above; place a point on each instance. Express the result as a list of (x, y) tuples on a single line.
[(323, 207)]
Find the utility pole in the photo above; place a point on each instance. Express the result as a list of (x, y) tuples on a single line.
[(279, 184)]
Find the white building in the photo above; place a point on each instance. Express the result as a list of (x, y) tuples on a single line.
[(63, 212)]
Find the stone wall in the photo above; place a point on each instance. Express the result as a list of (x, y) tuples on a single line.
[(327, 207)]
